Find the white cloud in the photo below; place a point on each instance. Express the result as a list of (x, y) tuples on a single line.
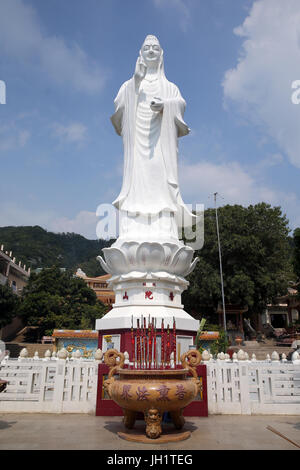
[(12, 213), (73, 133), (23, 37), (23, 137), (270, 161), (181, 7), (12, 137), (199, 181), (235, 185), (84, 223), (260, 84)]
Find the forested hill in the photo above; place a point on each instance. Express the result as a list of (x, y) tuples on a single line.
[(39, 248)]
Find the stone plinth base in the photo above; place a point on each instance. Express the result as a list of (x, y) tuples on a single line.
[(148, 278), (121, 317)]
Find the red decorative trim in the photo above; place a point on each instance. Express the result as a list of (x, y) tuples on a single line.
[(125, 296), (199, 407), (105, 407), (171, 296)]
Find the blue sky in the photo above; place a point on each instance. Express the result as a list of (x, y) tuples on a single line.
[(63, 62)]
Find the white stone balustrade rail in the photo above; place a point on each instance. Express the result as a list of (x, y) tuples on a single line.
[(61, 384), (248, 386), (49, 385)]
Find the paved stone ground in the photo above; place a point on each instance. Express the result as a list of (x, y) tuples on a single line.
[(87, 432)]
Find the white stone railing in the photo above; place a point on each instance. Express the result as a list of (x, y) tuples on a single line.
[(59, 384), (243, 386), (51, 384)]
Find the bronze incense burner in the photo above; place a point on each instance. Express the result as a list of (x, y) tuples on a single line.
[(152, 391)]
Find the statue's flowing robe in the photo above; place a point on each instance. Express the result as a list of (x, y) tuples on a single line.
[(139, 182)]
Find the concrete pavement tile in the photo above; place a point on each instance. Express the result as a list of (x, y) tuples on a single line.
[(88, 432)]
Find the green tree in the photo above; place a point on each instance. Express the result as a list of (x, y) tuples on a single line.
[(9, 303), (56, 299), (255, 258), (296, 258), (221, 344)]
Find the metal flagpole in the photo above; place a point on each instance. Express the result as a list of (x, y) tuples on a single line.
[(220, 258)]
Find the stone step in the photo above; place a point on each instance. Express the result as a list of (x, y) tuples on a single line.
[(25, 335), (261, 352), (261, 349)]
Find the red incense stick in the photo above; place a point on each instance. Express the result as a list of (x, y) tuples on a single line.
[(152, 342), (162, 344), (149, 346), (174, 342), (138, 342), (132, 343), (155, 364), (142, 344), (146, 343), (168, 346)]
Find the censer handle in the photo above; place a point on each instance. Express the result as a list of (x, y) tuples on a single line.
[(190, 360), (114, 360)]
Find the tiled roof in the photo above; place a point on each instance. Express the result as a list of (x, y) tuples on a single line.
[(103, 278), (212, 335), (75, 334)]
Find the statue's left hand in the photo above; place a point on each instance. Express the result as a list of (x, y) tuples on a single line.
[(157, 104)]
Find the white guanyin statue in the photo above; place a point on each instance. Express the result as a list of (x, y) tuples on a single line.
[(148, 115)]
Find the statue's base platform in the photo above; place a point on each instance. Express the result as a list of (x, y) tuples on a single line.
[(118, 323), (121, 317), (148, 280)]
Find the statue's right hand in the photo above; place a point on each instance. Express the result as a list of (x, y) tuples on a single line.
[(140, 70)]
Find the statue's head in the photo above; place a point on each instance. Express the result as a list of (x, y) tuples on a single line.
[(151, 51)]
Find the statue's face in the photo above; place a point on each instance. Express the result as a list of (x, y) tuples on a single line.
[(151, 52)]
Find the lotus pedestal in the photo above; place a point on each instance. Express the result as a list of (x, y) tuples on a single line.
[(148, 279)]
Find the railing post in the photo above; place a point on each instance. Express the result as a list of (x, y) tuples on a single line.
[(58, 395), (244, 388)]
